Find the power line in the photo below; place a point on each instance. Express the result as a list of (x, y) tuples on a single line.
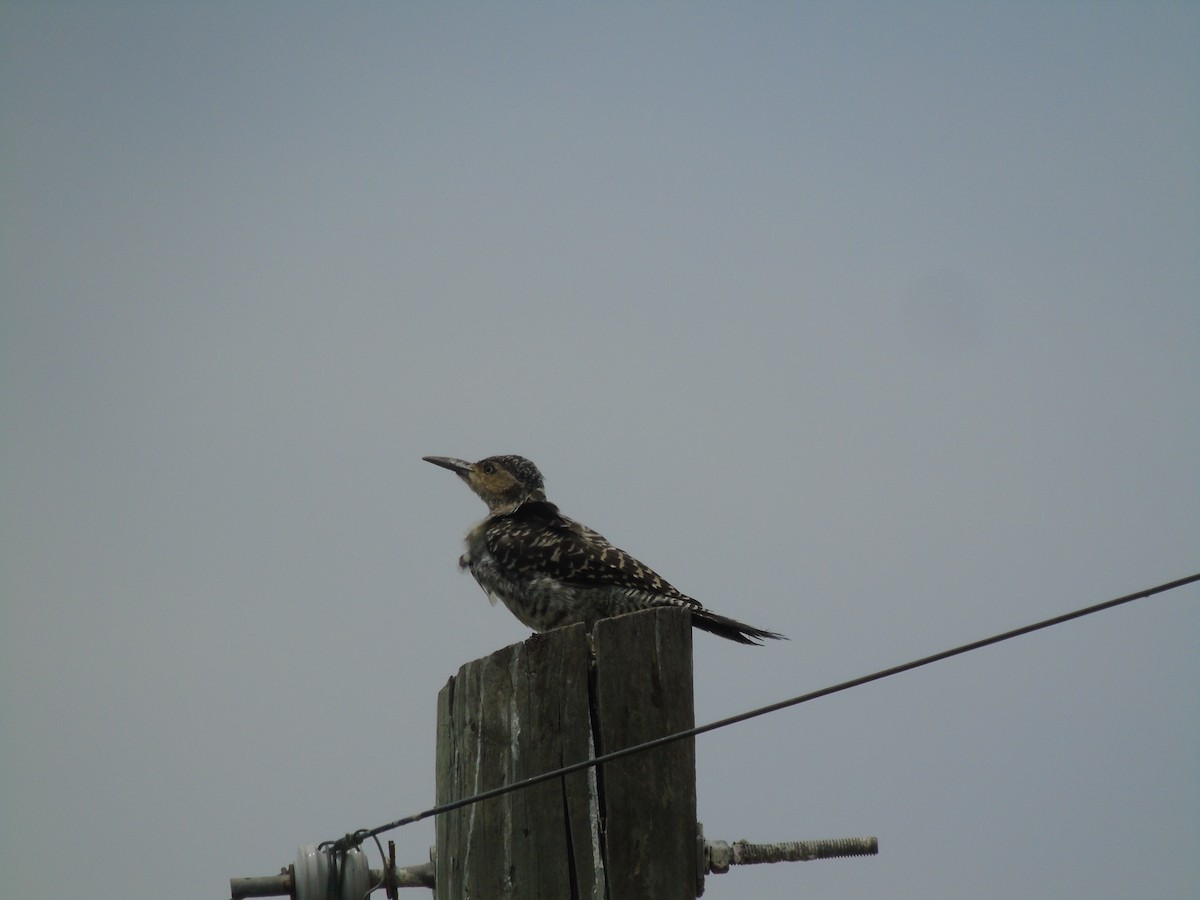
[(355, 838)]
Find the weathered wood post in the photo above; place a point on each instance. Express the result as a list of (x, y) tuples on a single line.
[(626, 831)]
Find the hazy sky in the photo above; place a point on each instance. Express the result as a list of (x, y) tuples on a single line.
[(875, 324)]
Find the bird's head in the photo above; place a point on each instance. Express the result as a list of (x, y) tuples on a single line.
[(502, 482)]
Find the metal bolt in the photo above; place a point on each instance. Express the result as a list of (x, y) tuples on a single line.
[(720, 855)]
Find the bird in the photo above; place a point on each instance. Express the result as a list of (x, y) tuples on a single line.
[(551, 571)]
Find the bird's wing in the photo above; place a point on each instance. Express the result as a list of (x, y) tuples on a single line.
[(536, 536)]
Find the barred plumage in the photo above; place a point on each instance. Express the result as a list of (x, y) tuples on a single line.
[(552, 571)]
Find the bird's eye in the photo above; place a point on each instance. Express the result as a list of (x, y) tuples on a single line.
[(489, 469)]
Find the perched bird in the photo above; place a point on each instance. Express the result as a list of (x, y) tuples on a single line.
[(552, 571)]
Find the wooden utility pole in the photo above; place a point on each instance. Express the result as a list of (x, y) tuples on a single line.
[(626, 830)]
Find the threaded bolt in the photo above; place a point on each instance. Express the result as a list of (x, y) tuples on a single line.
[(720, 855)]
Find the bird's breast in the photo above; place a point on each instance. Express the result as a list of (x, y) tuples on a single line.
[(478, 560), (477, 549)]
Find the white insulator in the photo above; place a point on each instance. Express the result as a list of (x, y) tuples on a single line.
[(312, 874)]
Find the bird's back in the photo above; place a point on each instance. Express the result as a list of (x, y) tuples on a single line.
[(538, 537)]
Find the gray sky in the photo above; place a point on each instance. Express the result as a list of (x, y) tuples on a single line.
[(874, 324)]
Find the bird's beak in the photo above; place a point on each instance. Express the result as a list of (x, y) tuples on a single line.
[(459, 467)]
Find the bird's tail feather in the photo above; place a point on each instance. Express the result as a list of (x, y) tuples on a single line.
[(731, 628)]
